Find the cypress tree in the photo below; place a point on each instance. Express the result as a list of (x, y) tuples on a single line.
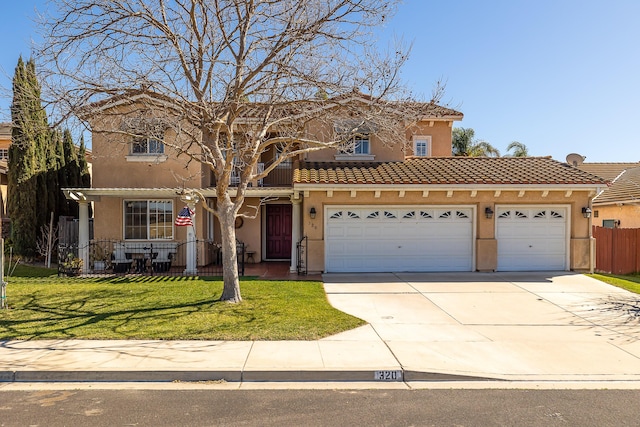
[(41, 140), (70, 171), (83, 167), (51, 173), (23, 161), (62, 204), (85, 177)]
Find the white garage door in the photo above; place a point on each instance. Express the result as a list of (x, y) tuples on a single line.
[(386, 239), (532, 238)]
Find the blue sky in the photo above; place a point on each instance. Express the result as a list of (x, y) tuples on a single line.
[(560, 76)]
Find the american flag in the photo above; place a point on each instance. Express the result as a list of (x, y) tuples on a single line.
[(184, 217)]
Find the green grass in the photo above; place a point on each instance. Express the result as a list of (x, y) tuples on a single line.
[(25, 270), (630, 282), (45, 306)]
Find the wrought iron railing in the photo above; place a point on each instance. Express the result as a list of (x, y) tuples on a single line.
[(302, 256), (280, 176), (108, 257)]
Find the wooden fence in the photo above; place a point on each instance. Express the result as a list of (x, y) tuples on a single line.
[(68, 230), (617, 250)]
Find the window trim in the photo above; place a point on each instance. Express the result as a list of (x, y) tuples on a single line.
[(351, 153), (417, 138), (147, 156), (148, 223)]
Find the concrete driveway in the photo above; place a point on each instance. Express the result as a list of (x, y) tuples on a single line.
[(518, 326)]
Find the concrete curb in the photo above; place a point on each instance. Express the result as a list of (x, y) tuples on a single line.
[(228, 376)]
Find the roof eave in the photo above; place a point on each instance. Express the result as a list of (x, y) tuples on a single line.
[(94, 194), (453, 186)]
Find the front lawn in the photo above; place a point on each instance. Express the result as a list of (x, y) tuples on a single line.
[(169, 308), (630, 282)]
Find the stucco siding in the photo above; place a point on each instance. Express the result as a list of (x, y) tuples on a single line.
[(628, 215), (486, 253)]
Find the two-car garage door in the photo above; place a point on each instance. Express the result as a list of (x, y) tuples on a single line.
[(409, 238)]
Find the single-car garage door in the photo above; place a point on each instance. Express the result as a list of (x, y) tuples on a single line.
[(531, 238), (386, 239)]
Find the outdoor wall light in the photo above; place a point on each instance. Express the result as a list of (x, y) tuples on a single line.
[(488, 212), (312, 213), (586, 212)]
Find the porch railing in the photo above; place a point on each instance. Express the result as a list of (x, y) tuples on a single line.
[(108, 257), (303, 257), (281, 176)]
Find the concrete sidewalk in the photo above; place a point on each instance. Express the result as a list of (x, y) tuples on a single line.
[(422, 327)]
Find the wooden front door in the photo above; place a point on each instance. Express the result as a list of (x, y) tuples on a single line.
[(278, 231)]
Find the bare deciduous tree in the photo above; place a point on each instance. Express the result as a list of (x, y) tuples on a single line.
[(47, 240), (232, 78)]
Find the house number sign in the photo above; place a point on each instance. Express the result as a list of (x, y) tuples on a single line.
[(387, 375)]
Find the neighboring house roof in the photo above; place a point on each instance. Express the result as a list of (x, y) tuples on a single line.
[(625, 185), (608, 171), (448, 171)]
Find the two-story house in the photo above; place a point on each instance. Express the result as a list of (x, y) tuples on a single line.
[(369, 207)]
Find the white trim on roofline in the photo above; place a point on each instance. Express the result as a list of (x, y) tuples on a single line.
[(94, 194), (446, 187)]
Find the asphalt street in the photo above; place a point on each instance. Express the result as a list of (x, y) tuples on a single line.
[(319, 408)]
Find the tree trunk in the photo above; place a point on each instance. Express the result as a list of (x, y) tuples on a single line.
[(231, 290)]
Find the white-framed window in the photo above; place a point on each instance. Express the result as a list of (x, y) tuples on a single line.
[(147, 145), (422, 146), (357, 148), (148, 219), (4, 154), (359, 144)]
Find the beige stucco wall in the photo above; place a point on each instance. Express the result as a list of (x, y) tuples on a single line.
[(486, 245), (112, 169), (249, 233), (629, 215), (440, 132), (109, 219)]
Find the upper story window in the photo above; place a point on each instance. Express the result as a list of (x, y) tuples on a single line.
[(147, 145), (4, 154), (422, 146), (358, 146)]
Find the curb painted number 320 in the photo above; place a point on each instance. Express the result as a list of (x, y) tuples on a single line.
[(388, 376)]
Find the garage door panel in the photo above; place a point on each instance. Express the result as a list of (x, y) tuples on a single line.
[(531, 238), (399, 239)]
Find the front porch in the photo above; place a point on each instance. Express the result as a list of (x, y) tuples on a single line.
[(121, 258), (168, 258)]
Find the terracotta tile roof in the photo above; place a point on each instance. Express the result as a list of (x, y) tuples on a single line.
[(447, 170), (428, 110), (625, 188), (625, 181), (608, 171)]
